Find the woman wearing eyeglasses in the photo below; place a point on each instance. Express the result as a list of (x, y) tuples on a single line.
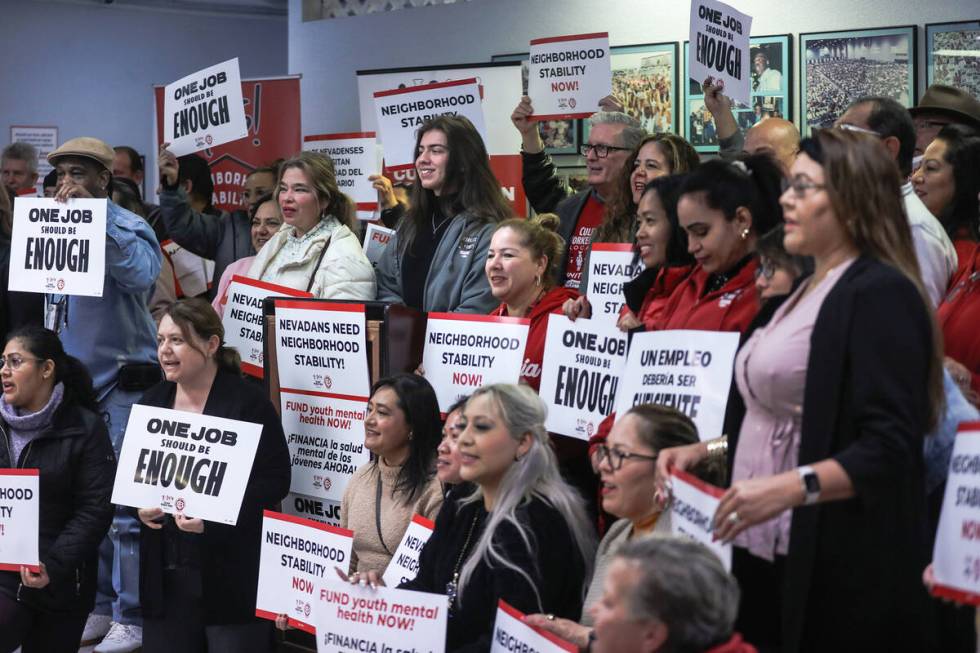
[(49, 421), (778, 270)]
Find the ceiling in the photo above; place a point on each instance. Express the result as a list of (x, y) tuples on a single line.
[(271, 8)]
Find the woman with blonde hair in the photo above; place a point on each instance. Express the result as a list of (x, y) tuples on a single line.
[(316, 249)]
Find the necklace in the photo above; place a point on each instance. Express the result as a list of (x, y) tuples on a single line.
[(451, 586), (441, 224)]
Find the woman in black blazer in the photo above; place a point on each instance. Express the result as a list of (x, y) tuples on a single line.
[(849, 575), (198, 579)]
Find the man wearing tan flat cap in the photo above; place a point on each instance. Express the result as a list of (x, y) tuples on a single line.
[(115, 337), (940, 106)]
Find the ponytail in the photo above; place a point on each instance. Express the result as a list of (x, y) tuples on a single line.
[(44, 344), (753, 182)]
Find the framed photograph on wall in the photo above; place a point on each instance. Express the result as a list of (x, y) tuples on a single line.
[(836, 68), (644, 78), (577, 177), (953, 55), (559, 136), (772, 92)]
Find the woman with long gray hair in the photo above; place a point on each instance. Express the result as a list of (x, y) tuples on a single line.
[(521, 536)]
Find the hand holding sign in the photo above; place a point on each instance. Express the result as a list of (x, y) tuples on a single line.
[(168, 165)]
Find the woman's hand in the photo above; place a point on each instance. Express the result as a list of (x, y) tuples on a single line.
[(628, 321), (420, 371), (756, 500), (151, 517), (282, 622), (682, 458), (34, 580), (363, 578), (576, 308), (386, 191), (568, 630), (189, 524), (167, 163)]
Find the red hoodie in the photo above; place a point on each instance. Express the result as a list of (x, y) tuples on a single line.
[(655, 301), (552, 302), (959, 314), (730, 308)]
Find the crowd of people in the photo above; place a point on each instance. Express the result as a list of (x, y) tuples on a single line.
[(831, 85), (850, 275)]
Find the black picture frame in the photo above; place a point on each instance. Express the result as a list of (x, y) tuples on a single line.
[(960, 70)]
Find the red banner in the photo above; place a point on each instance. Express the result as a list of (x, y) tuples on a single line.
[(272, 111)]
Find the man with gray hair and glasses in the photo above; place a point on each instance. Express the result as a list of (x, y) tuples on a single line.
[(667, 594), (612, 137), (18, 167)]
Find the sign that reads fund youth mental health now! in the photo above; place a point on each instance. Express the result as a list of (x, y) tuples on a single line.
[(296, 555), (19, 534), (568, 75), (204, 109), (719, 47), (687, 370), (465, 352), (355, 157), (384, 619), (58, 247), (692, 511), (610, 266), (512, 634), (404, 565), (583, 361), (956, 556), (186, 463), (401, 111)]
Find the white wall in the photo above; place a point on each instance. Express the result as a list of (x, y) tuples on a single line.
[(328, 52), (89, 69)]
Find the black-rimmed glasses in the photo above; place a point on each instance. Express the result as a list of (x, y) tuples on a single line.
[(617, 456), (601, 150)]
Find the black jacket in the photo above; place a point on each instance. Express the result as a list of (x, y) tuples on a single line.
[(77, 468), (554, 563), (228, 555), (854, 567), (17, 309)]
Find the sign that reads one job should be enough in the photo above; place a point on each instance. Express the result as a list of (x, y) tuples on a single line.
[(719, 47), (568, 75), (204, 109)]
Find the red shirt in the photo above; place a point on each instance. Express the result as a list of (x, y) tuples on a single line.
[(588, 220), (655, 301), (959, 314), (730, 308)]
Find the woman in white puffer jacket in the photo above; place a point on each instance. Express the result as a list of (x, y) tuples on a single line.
[(315, 249)]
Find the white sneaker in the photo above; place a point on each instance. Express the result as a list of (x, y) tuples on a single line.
[(96, 628), (121, 638)]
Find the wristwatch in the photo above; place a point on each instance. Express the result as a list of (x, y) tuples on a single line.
[(811, 484)]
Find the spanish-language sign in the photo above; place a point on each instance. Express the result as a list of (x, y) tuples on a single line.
[(401, 111), (204, 109), (58, 247), (512, 635), (692, 511), (464, 352), (568, 75), (193, 273), (719, 47), (325, 436), (296, 555), (956, 556), (580, 375), (690, 371), (357, 618), (19, 525), (188, 463), (243, 318), (376, 240), (404, 565), (321, 346), (355, 158), (610, 266), (319, 510)]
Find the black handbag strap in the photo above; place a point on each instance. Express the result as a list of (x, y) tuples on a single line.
[(316, 267), (377, 513)]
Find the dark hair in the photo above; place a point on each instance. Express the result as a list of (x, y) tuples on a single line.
[(754, 181), (668, 192), (889, 118), (770, 245), (259, 201), (664, 427), (127, 193), (197, 316), (271, 169), (418, 401), (457, 405), (194, 168), (540, 236), (469, 186), (963, 154), (619, 217), (45, 345), (135, 161), (50, 179), (319, 170)]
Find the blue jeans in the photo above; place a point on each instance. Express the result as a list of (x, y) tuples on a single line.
[(118, 590)]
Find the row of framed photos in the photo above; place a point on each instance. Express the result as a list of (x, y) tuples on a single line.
[(837, 68)]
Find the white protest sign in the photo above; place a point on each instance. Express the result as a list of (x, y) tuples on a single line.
[(355, 158), (243, 318), (321, 344), (360, 618), (404, 565), (376, 240), (186, 463), (401, 111), (296, 555), (325, 435), (610, 266), (568, 75), (511, 633), (322, 511), (690, 371), (19, 519), (58, 247), (464, 352), (956, 555), (192, 271), (692, 509), (719, 47), (580, 374), (204, 109)]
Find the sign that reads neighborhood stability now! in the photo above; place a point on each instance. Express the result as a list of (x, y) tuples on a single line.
[(956, 555), (204, 109), (568, 75)]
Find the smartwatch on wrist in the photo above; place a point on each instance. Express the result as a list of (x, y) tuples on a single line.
[(811, 484)]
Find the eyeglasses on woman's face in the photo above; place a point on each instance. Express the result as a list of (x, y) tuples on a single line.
[(616, 456)]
